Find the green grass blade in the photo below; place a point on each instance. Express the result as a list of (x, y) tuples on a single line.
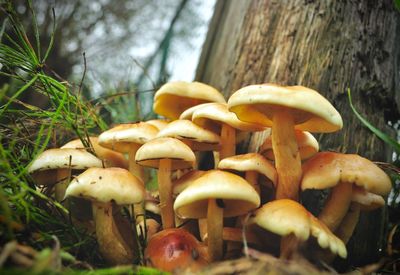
[(387, 139)]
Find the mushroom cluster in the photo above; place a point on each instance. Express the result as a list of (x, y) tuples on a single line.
[(250, 197)]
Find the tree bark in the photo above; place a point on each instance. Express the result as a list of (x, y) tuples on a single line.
[(329, 46)]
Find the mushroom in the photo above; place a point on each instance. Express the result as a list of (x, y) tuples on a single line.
[(175, 249), (252, 164), (284, 109), (214, 195), (342, 172), (295, 224), (110, 157), (216, 117), (103, 186), (166, 154), (158, 123), (308, 145), (175, 97), (54, 166)]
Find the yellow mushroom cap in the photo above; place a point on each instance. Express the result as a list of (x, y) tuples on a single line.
[(107, 184), (310, 110), (237, 195), (327, 169), (175, 97), (110, 157), (186, 130), (121, 137), (184, 181), (153, 151), (250, 162), (188, 113), (213, 115), (158, 123)]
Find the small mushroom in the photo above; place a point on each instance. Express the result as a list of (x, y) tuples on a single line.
[(103, 186), (175, 249)]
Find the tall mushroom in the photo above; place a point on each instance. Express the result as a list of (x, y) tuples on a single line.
[(284, 109), (214, 195), (103, 186), (166, 154)]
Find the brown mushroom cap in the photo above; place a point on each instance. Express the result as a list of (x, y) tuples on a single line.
[(153, 151), (175, 97), (327, 169), (237, 195), (121, 137), (310, 110), (110, 157), (107, 184), (175, 249)]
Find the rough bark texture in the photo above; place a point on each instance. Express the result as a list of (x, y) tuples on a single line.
[(325, 45)]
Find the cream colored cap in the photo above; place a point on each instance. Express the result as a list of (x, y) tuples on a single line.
[(158, 123), (121, 137), (78, 159), (184, 181), (212, 115), (197, 138), (366, 200), (308, 145), (284, 217), (237, 196), (106, 185), (175, 97), (188, 113), (250, 162), (310, 110), (327, 169), (110, 157), (153, 151)]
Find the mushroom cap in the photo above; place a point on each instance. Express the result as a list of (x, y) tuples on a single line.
[(308, 145), (66, 158), (201, 139), (367, 201), (327, 169), (310, 110), (158, 123), (188, 113), (175, 248), (184, 181), (110, 157), (284, 217), (175, 97), (326, 239), (250, 162), (150, 153), (121, 137), (237, 195), (107, 184), (213, 115)]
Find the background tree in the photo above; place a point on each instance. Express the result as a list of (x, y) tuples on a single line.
[(325, 45)]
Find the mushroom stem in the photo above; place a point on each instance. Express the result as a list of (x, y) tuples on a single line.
[(287, 156), (349, 223), (138, 171), (336, 206), (252, 178), (63, 176), (289, 245), (165, 191), (235, 234), (111, 244), (228, 146), (215, 228)]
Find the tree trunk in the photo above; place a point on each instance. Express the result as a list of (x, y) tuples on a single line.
[(328, 46)]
